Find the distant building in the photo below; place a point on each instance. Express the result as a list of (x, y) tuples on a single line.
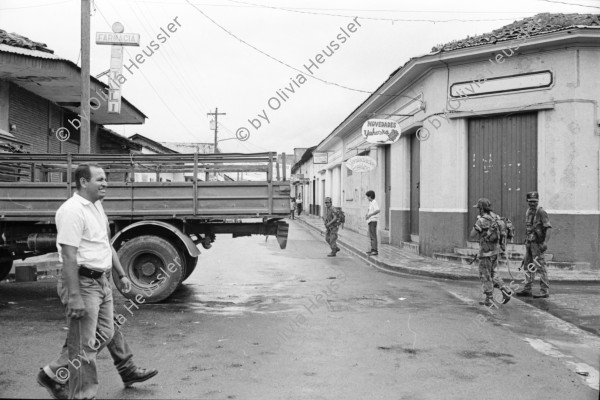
[(184, 147), (304, 184), (150, 146)]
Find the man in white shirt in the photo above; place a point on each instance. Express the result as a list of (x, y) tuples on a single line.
[(372, 217), (84, 287)]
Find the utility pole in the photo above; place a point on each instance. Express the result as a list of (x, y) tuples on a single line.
[(84, 129), (216, 115)]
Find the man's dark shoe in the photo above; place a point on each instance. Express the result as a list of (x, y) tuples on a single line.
[(524, 293), (541, 296), (138, 375), (56, 390), (332, 254)]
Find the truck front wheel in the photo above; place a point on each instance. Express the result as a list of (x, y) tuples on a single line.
[(6, 263), (153, 265)]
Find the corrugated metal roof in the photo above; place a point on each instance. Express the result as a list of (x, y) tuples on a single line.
[(28, 52)]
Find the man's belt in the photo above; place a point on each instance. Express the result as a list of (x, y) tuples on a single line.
[(90, 273)]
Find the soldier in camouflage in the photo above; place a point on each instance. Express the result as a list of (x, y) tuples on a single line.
[(330, 219), (489, 248), (537, 228)]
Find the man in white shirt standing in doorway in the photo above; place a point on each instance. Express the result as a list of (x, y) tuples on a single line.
[(372, 217)]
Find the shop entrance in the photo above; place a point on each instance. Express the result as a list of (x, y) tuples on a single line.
[(503, 165)]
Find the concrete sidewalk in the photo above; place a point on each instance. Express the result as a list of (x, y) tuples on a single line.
[(395, 259)]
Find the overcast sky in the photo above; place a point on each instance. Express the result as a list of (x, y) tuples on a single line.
[(201, 66)]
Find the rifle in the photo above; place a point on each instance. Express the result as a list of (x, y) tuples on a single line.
[(473, 259)]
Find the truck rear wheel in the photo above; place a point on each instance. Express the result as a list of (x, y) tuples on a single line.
[(153, 265), (190, 266), (6, 263)]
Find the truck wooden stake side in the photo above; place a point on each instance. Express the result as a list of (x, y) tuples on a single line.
[(156, 226)]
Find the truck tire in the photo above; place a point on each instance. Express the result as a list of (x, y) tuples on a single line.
[(190, 266), (6, 263), (153, 265)]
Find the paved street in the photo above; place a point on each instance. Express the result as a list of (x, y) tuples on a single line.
[(257, 322)]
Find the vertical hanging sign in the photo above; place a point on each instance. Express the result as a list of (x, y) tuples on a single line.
[(117, 39), (114, 88)]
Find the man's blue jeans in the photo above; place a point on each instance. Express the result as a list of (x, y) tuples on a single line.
[(86, 337), (119, 351)]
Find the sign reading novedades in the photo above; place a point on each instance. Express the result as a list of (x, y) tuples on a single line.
[(381, 131)]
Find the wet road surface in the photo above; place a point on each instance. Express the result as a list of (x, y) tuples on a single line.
[(257, 322)]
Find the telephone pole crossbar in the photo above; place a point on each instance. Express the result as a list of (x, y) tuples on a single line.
[(216, 116)]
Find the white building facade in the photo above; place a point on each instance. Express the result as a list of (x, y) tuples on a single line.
[(496, 116)]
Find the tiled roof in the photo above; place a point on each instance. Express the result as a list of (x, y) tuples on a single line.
[(12, 39), (536, 25)]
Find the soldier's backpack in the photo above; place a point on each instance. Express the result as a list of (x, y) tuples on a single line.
[(341, 217), (501, 229)]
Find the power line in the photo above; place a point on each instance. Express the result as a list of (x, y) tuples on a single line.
[(286, 64), (177, 71), (570, 4), (167, 59), (372, 18), (153, 88), (340, 9)]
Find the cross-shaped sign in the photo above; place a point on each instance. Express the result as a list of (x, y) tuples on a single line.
[(117, 39)]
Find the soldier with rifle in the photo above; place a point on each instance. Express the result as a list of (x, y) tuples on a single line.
[(538, 232), (486, 229)]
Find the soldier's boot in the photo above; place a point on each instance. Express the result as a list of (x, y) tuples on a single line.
[(488, 300), (506, 294), (524, 292), (332, 254)]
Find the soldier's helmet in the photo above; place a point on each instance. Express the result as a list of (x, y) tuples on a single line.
[(533, 196), (484, 203), (327, 199)]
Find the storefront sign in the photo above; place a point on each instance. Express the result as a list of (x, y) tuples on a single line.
[(361, 164), (381, 131), (320, 158), (502, 84)]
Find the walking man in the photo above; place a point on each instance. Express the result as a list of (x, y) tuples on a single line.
[(84, 286), (331, 227), (372, 217), (292, 207), (537, 228), (486, 229), (299, 203)]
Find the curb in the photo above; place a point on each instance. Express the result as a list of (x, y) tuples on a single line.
[(413, 271)]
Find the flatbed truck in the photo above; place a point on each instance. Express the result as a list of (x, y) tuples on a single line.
[(156, 227)]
